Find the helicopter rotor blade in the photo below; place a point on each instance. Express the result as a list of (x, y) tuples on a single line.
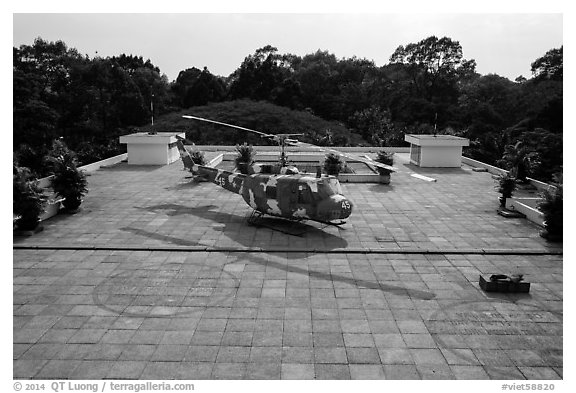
[(279, 138), (366, 160), (262, 134)]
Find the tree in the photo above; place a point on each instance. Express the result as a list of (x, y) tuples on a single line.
[(40, 79), (57, 92), (263, 76), (434, 67), (375, 126), (521, 160), (489, 102), (334, 88), (194, 87), (549, 66), (183, 82)]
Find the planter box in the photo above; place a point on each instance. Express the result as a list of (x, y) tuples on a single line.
[(436, 151), (503, 286), (54, 203), (152, 149), (527, 207), (506, 213), (52, 208)]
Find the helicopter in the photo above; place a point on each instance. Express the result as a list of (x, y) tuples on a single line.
[(289, 195), (285, 192)]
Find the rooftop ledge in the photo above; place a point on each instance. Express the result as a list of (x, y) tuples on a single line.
[(436, 140), (151, 138)]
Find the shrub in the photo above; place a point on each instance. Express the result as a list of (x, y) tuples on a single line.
[(333, 164), (551, 206), (31, 158), (520, 160), (28, 199), (198, 157), (89, 152), (245, 157), (506, 185), (69, 182), (383, 157)]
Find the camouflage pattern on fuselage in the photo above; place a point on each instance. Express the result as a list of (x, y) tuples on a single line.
[(296, 196)]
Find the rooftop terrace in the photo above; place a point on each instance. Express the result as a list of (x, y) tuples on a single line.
[(157, 277)]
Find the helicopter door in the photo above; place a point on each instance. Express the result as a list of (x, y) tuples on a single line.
[(286, 195), (305, 199)]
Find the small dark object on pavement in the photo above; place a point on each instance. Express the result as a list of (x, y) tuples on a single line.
[(504, 283)]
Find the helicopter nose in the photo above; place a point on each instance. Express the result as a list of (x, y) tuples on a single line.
[(343, 206)]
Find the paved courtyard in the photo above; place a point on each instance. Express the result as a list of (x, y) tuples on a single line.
[(160, 278)]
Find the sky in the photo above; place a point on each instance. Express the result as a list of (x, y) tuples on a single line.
[(502, 43)]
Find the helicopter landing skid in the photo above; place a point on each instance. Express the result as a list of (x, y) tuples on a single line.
[(278, 224), (334, 224)]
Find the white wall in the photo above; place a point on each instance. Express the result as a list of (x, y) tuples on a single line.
[(147, 154), (441, 157)]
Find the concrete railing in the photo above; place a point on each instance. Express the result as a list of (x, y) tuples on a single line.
[(527, 207), (540, 186), (216, 160), (306, 149), (106, 162), (524, 205), (478, 164)]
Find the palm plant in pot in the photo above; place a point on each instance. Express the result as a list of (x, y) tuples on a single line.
[(505, 185), (198, 157), (68, 182), (386, 158), (333, 164), (244, 157), (551, 206), (520, 160), (28, 199)]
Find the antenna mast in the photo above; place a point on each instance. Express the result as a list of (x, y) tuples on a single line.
[(152, 107)]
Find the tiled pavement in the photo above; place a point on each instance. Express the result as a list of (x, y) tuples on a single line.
[(157, 278)]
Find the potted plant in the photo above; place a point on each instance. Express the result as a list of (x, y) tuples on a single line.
[(383, 157), (198, 157), (520, 160), (506, 185), (333, 164), (69, 182), (551, 206), (28, 199), (244, 158)]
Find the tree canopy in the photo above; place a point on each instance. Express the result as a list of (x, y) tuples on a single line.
[(427, 86), (549, 66)]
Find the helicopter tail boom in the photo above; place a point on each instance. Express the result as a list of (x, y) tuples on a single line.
[(186, 158), (230, 181), (225, 179)]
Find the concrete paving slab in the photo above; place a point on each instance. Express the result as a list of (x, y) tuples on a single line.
[(297, 371)]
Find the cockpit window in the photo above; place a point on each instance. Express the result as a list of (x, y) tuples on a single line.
[(328, 187), (335, 185)]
